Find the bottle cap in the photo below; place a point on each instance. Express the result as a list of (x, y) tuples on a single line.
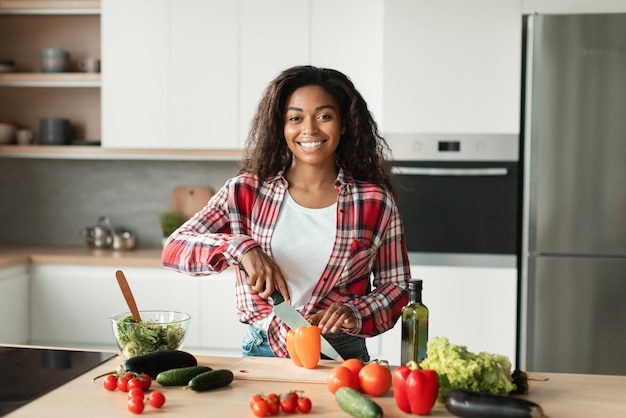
[(415, 284)]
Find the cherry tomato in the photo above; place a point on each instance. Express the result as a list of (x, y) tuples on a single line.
[(304, 404), (110, 382), (146, 380), (375, 379), (135, 382), (291, 348), (259, 408), (122, 384), (273, 404), (255, 398), (353, 364), (340, 376), (289, 402), (136, 405), (156, 399), (136, 393)]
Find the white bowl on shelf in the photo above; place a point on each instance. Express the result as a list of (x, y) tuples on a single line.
[(7, 132)]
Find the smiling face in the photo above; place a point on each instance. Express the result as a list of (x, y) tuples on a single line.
[(313, 126)]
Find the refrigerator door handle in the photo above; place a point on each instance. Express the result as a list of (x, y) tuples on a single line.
[(426, 171)]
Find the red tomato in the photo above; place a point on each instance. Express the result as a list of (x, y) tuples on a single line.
[(135, 382), (136, 393), (110, 382), (259, 408), (146, 380), (304, 405), (340, 376), (136, 405), (273, 404), (156, 399), (122, 384), (289, 402), (353, 364), (254, 399), (291, 348), (375, 379), (309, 345)]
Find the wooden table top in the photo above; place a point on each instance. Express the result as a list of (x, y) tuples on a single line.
[(561, 395), (17, 255)]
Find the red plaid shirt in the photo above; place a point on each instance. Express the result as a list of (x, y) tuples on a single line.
[(369, 242)]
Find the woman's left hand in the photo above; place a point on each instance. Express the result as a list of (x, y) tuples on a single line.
[(337, 316)]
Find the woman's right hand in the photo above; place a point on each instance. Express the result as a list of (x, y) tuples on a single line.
[(263, 274)]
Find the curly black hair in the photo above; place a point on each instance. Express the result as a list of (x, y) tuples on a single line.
[(361, 151)]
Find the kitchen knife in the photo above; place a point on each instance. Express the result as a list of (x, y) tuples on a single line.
[(294, 320)]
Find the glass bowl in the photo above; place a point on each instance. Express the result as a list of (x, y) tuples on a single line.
[(158, 330)]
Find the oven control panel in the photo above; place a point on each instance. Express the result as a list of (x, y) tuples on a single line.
[(453, 147)]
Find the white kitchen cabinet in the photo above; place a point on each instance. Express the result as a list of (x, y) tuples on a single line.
[(222, 333), (275, 35), (278, 34), (189, 74), (71, 305), (350, 39), (14, 303), (170, 74), (452, 66), (471, 306), (135, 73)]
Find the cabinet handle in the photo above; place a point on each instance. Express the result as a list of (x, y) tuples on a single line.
[(423, 171)]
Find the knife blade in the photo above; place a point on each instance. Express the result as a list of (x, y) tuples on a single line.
[(294, 320)]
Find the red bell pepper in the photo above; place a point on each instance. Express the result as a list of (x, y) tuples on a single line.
[(415, 390)]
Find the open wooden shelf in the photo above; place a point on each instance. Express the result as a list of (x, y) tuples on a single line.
[(98, 153), (27, 6), (50, 79)]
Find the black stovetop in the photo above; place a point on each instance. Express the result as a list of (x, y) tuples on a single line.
[(27, 373)]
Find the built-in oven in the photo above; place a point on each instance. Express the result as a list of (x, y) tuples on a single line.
[(458, 197)]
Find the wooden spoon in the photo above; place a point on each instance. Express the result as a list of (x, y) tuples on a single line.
[(128, 295)]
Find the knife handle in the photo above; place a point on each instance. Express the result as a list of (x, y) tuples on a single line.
[(277, 297)]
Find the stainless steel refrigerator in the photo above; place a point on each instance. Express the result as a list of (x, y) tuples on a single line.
[(573, 251)]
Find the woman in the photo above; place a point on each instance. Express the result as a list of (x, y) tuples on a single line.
[(311, 213)]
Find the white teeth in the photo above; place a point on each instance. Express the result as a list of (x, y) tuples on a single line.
[(311, 144)]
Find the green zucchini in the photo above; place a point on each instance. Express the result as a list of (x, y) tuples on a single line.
[(158, 361), (466, 403), (356, 404), (211, 380), (180, 376)]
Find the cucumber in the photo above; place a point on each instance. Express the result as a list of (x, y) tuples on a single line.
[(158, 361), (211, 380), (356, 404), (180, 376), (469, 404)]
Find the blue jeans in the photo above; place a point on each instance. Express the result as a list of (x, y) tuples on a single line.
[(255, 343)]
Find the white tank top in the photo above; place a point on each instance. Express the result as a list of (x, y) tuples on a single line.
[(301, 244)]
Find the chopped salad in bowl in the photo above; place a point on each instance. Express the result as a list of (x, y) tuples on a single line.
[(158, 330)]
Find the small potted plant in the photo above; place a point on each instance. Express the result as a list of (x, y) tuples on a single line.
[(170, 221)]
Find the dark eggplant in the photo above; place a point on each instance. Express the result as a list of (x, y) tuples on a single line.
[(159, 361), (465, 403)]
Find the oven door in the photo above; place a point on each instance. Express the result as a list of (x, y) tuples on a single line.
[(459, 212)]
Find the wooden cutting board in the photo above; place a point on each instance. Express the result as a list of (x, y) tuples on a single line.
[(282, 370), (190, 199)]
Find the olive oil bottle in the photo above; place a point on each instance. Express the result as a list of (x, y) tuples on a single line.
[(414, 325)]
